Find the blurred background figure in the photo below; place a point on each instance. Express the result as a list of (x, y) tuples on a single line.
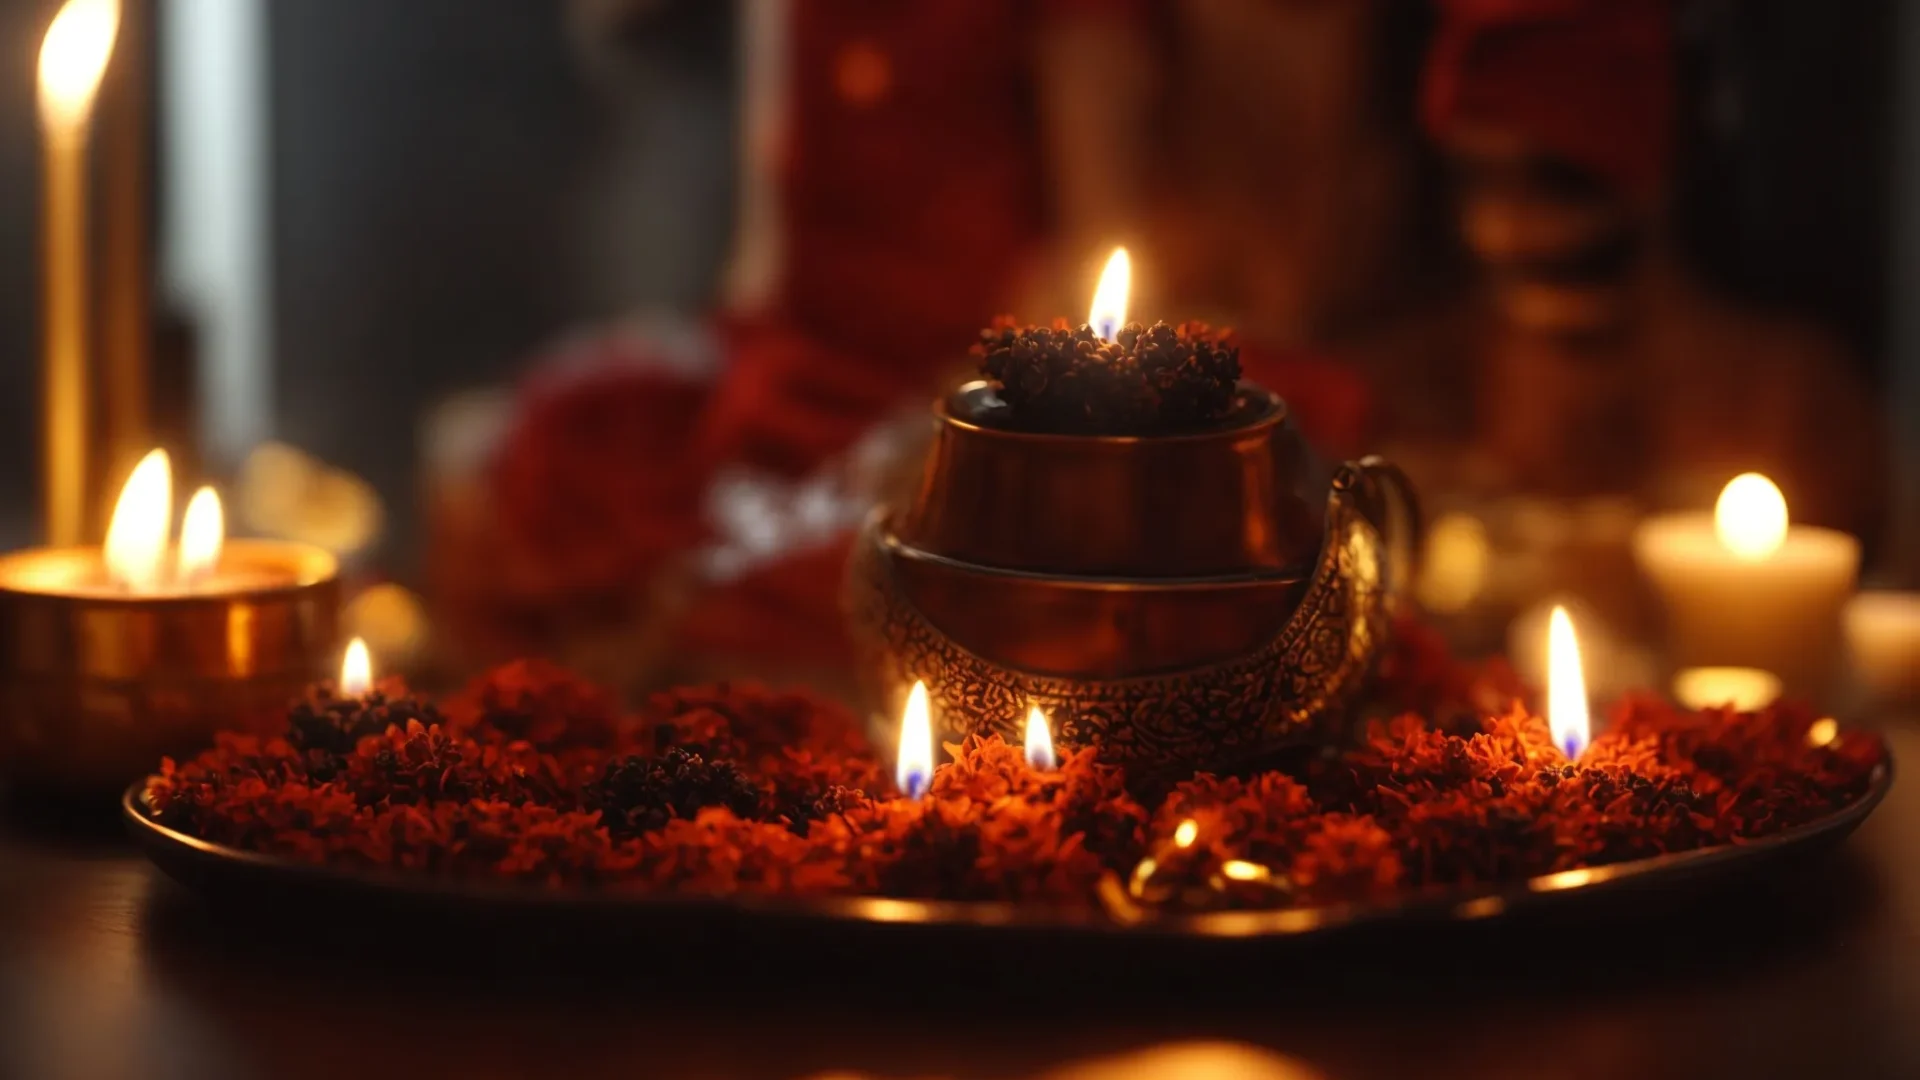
[(1610, 364)]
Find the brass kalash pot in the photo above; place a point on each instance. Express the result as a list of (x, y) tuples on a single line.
[(1186, 600)]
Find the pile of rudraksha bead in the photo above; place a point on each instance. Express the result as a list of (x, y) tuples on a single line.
[(1148, 380)]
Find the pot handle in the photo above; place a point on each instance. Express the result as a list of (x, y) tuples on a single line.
[(1387, 499)]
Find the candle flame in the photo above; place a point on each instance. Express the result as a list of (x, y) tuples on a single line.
[(1039, 740), (1186, 833), (202, 534), (356, 669), (73, 59), (1109, 312), (1750, 517), (136, 548), (1566, 687), (1242, 870), (913, 770)]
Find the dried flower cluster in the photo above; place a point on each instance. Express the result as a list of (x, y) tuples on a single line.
[(1149, 380), (530, 775)]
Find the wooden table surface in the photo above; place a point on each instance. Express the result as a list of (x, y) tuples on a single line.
[(108, 969)]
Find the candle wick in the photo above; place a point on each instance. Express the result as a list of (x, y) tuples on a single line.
[(915, 784)]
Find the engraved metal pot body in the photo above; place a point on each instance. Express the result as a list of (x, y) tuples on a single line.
[(1190, 600)]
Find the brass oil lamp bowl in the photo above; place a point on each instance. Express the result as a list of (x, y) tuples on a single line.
[(113, 656), (1184, 600)]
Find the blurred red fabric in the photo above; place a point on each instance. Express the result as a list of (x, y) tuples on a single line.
[(1590, 80), (596, 480), (1329, 401)]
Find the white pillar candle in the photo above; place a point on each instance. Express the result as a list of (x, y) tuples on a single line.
[(1883, 637), (1742, 587)]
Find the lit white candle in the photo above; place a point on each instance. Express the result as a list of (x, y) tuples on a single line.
[(1883, 639), (1743, 587)]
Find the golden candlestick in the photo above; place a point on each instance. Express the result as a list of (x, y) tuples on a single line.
[(73, 58), (125, 310)]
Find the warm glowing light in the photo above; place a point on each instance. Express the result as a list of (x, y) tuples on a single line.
[(1456, 565), (1039, 740), (73, 57), (356, 669), (1737, 688), (1185, 835), (286, 492), (136, 550), (1824, 730), (913, 770), (1566, 686), (1750, 517), (390, 617), (1565, 879), (1242, 870), (1109, 312), (202, 533)]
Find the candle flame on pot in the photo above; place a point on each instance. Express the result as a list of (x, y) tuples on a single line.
[(136, 548), (913, 770), (1039, 740), (73, 59), (202, 534), (1109, 312), (1750, 517), (1566, 687), (356, 669)]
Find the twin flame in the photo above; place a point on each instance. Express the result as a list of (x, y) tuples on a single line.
[(137, 548), (913, 766)]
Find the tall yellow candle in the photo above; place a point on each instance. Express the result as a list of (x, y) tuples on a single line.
[(73, 57), (125, 319)]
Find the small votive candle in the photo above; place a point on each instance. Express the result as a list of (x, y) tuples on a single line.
[(112, 657), (1742, 587), (1883, 641), (1737, 688)]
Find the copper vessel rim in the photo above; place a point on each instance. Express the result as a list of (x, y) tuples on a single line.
[(1272, 414), (893, 545), (312, 567)]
